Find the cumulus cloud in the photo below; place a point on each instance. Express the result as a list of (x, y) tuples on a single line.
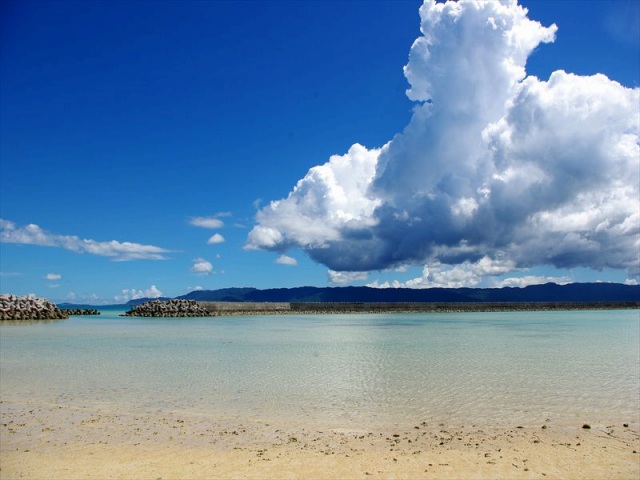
[(202, 266), (52, 276), (118, 251), (215, 238), (133, 294), (207, 222), (466, 274), (286, 260), (323, 206), (495, 167)]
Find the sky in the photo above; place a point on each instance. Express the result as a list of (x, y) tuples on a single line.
[(154, 148)]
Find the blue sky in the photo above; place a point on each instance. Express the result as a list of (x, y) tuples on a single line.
[(141, 144)]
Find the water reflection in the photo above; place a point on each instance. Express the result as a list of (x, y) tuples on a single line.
[(31, 321)]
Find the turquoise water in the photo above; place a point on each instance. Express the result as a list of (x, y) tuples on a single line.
[(339, 370)]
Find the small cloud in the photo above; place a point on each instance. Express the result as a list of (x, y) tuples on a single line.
[(622, 22), (341, 278), (215, 238), (286, 260), (202, 267), (10, 274), (53, 285), (52, 276), (532, 280), (393, 284), (133, 294), (206, 222), (89, 299)]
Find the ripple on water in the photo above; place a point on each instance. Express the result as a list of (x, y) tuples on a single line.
[(353, 370)]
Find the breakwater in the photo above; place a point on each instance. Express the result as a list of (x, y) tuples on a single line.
[(13, 307), (170, 308), (427, 307), (191, 308)]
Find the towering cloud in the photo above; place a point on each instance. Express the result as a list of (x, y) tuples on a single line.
[(494, 167)]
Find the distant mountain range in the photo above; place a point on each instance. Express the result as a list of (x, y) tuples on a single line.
[(549, 292)]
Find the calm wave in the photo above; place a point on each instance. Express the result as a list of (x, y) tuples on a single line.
[(342, 370)]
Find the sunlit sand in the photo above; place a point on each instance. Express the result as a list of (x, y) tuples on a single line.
[(57, 442)]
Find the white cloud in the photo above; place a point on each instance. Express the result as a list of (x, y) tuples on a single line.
[(133, 294), (532, 280), (330, 199), (118, 251), (386, 284), (286, 260), (466, 274), (52, 276), (493, 165), (202, 266), (90, 299), (342, 278), (215, 238), (206, 222)]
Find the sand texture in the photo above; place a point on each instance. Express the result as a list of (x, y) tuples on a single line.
[(61, 442)]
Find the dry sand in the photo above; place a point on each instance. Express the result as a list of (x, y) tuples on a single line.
[(61, 442)]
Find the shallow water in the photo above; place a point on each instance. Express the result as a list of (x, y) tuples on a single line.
[(338, 370)]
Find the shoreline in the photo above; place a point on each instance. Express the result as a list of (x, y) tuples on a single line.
[(61, 442)]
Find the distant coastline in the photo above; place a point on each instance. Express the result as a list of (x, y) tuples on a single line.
[(318, 300), (191, 308)]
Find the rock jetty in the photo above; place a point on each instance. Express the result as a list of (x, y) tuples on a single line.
[(170, 308), (13, 307)]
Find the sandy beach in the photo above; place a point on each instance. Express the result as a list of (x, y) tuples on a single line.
[(61, 442)]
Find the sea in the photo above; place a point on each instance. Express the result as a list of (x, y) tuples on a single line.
[(345, 370)]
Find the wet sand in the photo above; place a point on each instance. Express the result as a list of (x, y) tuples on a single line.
[(42, 441)]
